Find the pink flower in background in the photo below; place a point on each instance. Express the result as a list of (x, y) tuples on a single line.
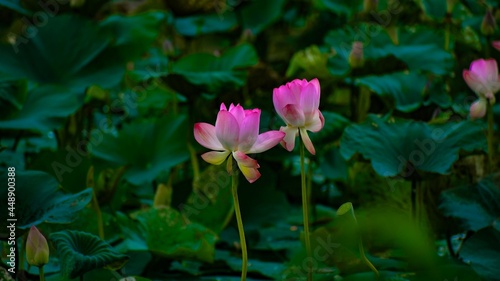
[(483, 79), (236, 131), (297, 104), (496, 45)]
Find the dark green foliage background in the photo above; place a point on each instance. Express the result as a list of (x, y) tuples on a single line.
[(100, 97)]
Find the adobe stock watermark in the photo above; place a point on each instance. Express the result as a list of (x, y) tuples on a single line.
[(125, 104), (33, 23)]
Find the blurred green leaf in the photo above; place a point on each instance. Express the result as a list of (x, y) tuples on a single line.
[(168, 234), (436, 9), (482, 251), (332, 165), (40, 199), (478, 206), (332, 131), (214, 72), (404, 147), (406, 89), (420, 49), (153, 66), (162, 144), (15, 5), (56, 56), (45, 108), (258, 14), (341, 7), (205, 24), (211, 202), (265, 268), (81, 252), (133, 35)]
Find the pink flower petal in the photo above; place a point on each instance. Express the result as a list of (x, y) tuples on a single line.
[(204, 134), (249, 130), (309, 99), (238, 112), (215, 157), (266, 141), (296, 87), (315, 83), (288, 141), (223, 107), (227, 130), (474, 82), (247, 166), (486, 70), (307, 141), (316, 123), (293, 115), (478, 108), (496, 45), (281, 97)]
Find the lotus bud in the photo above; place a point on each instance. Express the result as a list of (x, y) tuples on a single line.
[(370, 5), (37, 249), (356, 57), (450, 4), (478, 108), (489, 24)]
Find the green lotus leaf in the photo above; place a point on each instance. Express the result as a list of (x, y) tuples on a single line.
[(81, 252), (405, 146), (482, 251), (478, 206), (214, 72), (39, 198)]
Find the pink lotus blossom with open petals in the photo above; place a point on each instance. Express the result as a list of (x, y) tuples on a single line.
[(297, 104), (496, 45), (483, 79), (236, 131)]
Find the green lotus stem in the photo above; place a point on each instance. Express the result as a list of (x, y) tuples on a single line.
[(491, 150), (41, 273), (97, 208), (241, 230), (362, 252), (194, 163), (305, 209), (366, 260)]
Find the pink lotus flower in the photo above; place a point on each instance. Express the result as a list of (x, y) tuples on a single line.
[(496, 45), (297, 104), (483, 79), (236, 131)]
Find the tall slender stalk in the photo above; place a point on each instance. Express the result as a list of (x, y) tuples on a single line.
[(97, 208), (305, 209), (365, 259), (241, 230), (491, 150)]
